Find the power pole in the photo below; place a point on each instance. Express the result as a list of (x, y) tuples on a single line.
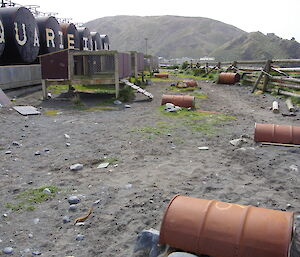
[(146, 39)]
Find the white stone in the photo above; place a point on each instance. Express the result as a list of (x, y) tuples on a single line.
[(103, 165), (76, 166), (203, 148)]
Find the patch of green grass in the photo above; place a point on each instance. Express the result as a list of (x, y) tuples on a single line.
[(77, 101), (105, 89), (162, 128), (100, 108), (26, 200), (58, 89), (199, 95), (160, 79), (295, 100), (176, 89), (198, 121), (52, 112)]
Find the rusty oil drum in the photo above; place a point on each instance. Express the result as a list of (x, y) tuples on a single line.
[(273, 133), (179, 100), (161, 75), (96, 41), (21, 36), (228, 78), (190, 83), (85, 39), (51, 36), (70, 35), (222, 229)]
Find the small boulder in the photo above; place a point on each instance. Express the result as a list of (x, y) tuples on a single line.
[(73, 199), (76, 167)]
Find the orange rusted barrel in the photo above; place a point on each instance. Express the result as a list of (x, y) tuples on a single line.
[(161, 75), (228, 78), (190, 83), (222, 229), (273, 133), (179, 100)]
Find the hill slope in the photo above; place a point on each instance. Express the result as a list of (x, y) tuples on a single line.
[(176, 36), (168, 36), (255, 46)]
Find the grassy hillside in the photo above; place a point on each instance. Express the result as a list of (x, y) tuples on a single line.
[(176, 36), (168, 36), (256, 45)]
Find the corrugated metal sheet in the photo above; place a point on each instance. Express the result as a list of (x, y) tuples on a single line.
[(124, 65), (55, 65), (140, 61)]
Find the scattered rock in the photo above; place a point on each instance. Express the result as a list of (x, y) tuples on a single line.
[(103, 165), (148, 240), (293, 167), (80, 224), (73, 199), (73, 207), (129, 186), (127, 106), (8, 250), (288, 206), (79, 237), (30, 236), (37, 153), (15, 143), (117, 102), (237, 142), (169, 106), (36, 253), (46, 150), (181, 254), (8, 152), (97, 202), (76, 166), (5, 215), (68, 144), (203, 148), (47, 191), (36, 221), (66, 219), (244, 149), (67, 136)]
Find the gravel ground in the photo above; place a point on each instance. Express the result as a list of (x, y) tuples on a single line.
[(153, 158)]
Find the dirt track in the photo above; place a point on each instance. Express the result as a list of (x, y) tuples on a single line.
[(153, 166)]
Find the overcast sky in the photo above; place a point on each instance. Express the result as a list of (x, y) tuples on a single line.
[(267, 16)]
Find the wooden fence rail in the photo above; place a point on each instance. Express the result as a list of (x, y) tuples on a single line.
[(263, 74)]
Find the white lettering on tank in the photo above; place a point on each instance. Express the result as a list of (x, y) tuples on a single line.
[(36, 41), (71, 42), (2, 38), (85, 43), (61, 45), (21, 42), (50, 37)]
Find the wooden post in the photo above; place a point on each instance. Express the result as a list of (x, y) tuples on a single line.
[(275, 107), (257, 81), (206, 67), (117, 86), (135, 65), (290, 105), (234, 65), (44, 89), (266, 78)]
